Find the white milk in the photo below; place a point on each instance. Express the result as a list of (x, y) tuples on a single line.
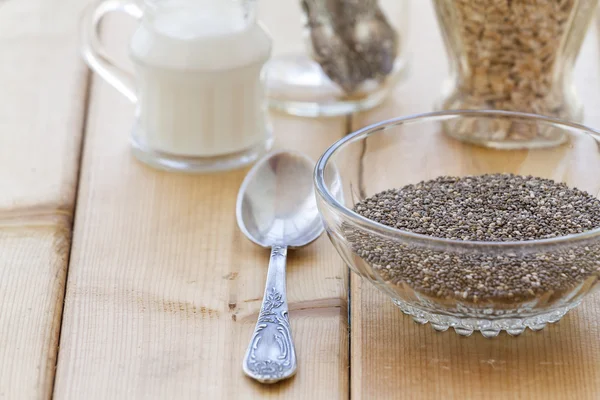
[(199, 84)]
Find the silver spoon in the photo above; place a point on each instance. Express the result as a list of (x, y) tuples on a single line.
[(276, 208)]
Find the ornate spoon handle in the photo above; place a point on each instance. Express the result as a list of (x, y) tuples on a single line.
[(271, 356)]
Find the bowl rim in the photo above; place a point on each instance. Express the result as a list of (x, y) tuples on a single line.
[(388, 231)]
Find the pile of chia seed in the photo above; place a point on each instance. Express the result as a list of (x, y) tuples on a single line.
[(491, 208)]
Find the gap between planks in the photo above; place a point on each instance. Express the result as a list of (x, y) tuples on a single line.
[(88, 85)]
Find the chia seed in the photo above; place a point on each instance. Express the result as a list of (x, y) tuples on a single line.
[(484, 208)]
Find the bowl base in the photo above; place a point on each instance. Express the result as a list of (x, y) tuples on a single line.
[(489, 328), (297, 85)]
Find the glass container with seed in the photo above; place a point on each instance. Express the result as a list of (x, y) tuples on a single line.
[(462, 236), (345, 55), (514, 55)]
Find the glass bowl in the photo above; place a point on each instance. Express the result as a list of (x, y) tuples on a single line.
[(408, 150)]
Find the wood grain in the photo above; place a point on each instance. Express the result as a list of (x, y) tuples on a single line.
[(164, 290), (42, 104), (394, 358)]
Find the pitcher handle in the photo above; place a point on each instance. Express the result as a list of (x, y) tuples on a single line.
[(93, 52)]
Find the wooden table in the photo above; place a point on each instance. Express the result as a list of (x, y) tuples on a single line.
[(119, 282)]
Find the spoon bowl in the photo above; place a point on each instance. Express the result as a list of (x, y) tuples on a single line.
[(276, 203)]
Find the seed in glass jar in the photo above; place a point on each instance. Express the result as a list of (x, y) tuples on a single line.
[(510, 59)]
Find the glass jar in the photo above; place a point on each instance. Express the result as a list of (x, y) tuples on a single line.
[(514, 55), (334, 57)]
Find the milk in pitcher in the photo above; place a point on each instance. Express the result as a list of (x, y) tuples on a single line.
[(198, 83)]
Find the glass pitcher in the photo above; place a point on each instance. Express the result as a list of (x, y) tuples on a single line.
[(514, 55), (198, 83)]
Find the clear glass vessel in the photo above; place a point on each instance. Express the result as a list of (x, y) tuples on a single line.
[(198, 108), (408, 150), (297, 83), (513, 55)]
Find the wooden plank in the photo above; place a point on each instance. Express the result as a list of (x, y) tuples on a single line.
[(43, 85), (164, 290), (32, 277), (392, 357)]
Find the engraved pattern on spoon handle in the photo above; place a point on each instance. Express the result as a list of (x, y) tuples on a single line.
[(270, 356)]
